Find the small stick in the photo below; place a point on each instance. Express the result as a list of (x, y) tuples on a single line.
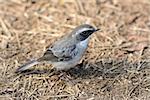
[(4, 27)]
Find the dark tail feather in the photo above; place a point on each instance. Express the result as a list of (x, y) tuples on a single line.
[(27, 66)]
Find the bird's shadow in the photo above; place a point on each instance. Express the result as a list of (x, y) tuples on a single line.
[(105, 69), (108, 68), (98, 69)]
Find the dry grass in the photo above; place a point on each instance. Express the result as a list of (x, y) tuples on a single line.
[(116, 65)]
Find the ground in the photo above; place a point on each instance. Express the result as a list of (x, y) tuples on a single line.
[(116, 65)]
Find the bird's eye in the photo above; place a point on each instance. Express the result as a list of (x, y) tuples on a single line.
[(83, 33), (86, 33)]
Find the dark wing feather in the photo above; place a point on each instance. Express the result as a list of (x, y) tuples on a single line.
[(64, 54), (62, 50), (48, 56)]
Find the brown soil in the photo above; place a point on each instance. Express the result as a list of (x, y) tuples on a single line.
[(116, 65)]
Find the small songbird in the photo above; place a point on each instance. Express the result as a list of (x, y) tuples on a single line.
[(66, 52)]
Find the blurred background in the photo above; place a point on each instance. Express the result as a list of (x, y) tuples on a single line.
[(116, 64)]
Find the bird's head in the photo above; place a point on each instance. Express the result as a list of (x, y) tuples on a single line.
[(82, 32)]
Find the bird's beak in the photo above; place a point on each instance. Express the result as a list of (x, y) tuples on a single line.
[(97, 30)]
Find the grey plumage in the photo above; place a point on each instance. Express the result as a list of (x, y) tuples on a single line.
[(66, 52)]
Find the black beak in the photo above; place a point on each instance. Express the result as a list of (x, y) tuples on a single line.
[(97, 30)]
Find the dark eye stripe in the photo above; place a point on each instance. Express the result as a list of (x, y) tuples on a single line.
[(86, 33)]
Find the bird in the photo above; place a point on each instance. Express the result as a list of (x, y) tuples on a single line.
[(66, 52)]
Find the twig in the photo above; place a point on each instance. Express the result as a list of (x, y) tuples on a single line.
[(140, 29), (31, 93), (6, 31), (58, 96), (80, 7), (49, 19)]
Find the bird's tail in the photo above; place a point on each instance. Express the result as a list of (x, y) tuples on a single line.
[(27, 66)]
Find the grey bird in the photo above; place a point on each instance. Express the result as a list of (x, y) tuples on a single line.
[(66, 52)]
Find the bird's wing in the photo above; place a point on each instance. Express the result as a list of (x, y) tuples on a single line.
[(66, 52), (48, 56), (61, 54)]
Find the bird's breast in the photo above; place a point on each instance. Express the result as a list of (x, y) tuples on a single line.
[(84, 44)]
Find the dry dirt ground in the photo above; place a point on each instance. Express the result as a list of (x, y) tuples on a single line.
[(116, 65)]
